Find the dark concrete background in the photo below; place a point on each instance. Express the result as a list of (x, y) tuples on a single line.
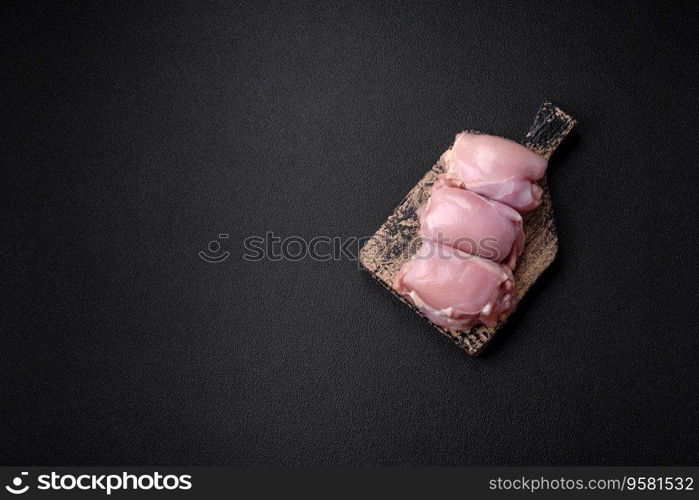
[(132, 136)]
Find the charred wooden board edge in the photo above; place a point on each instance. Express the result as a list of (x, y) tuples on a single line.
[(397, 239)]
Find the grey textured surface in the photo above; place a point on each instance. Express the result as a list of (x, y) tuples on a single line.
[(133, 136)]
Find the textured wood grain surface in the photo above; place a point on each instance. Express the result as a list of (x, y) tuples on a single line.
[(397, 239)]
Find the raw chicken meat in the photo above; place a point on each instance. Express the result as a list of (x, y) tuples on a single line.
[(454, 289), (497, 168), (473, 224)]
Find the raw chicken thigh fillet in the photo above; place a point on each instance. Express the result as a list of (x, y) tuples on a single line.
[(473, 224), (454, 289), (497, 168), (454, 249), (471, 232)]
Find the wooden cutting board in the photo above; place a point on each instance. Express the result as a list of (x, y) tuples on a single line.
[(397, 239)]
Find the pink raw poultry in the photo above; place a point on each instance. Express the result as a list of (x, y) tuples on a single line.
[(473, 224), (453, 289), (497, 168)]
